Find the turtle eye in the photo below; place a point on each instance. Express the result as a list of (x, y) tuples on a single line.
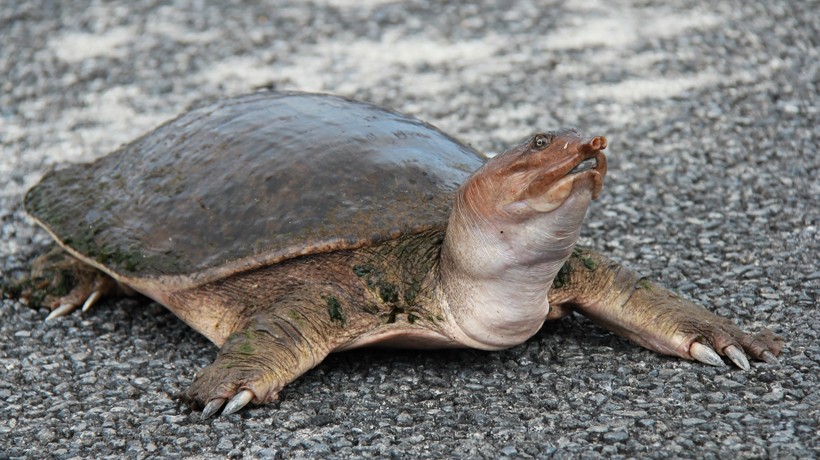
[(540, 141)]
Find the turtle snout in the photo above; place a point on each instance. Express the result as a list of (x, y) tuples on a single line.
[(594, 145), (598, 142), (594, 158)]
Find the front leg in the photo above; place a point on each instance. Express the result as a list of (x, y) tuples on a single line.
[(273, 347), (644, 312), (257, 361)]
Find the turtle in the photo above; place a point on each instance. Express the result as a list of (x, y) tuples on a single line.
[(284, 226)]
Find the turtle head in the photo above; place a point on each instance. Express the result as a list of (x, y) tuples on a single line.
[(514, 224), (538, 176), (533, 197)]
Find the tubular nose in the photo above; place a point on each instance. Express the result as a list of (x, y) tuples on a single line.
[(598, 142), (595, 144)]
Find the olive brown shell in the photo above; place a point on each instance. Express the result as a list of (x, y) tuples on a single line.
[(251, 181)]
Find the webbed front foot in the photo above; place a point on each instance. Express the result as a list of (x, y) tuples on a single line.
[(254, 365), (237, 381), (654, 317), (709, 341)]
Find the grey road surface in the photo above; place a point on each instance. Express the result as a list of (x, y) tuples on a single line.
[(711, 109)]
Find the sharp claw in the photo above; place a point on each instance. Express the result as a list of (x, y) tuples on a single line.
[(212, 407), (770, 358), (737, 356), (62, 310), (705, 354), (238, 402), (91, 300)]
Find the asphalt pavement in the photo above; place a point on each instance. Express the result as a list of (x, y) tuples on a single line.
[(711, 111)]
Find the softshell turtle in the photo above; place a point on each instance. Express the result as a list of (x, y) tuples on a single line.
[(285, 226)]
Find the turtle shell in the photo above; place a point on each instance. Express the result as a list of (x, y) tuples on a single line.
[(251, 181)]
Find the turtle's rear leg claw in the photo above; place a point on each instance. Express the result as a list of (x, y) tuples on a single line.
[(67, 283), (85, 294), (67, 305), (62, 310)]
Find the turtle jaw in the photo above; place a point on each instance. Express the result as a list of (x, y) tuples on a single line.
[(585, 165)]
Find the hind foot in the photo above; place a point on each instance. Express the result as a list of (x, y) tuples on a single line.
[(63, 283)]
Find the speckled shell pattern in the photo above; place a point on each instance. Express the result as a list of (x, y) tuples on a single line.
[(251, 181)]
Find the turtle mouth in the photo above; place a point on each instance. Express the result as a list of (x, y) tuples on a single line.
[(586, 165)]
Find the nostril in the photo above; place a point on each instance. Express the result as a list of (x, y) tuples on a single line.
[(598, 143)]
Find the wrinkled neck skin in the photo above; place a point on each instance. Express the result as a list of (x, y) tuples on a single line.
[(497, 267)]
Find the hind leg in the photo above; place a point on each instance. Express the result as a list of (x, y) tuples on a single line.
[(63, 283)]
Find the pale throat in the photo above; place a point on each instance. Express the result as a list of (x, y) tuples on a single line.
[(496, 276)]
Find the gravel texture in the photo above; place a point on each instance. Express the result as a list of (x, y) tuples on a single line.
[(711, 109)]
